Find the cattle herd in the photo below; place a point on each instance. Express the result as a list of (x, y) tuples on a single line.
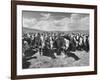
[(53, 44)]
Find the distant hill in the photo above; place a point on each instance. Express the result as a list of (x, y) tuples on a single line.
[(28, 30)]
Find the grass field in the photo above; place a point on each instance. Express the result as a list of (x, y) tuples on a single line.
[(47, 62)]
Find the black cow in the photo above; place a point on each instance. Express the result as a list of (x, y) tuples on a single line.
[(59, 44), (86, 44), (27, 56)]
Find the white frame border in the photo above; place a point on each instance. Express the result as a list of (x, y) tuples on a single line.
[(20, 71)]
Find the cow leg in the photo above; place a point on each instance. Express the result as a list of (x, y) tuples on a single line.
[(70, 54), (40, 51), (53, 56), (51, 53), (73, 55), (58, 51)]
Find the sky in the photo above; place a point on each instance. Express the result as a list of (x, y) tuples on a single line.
[(55, 21)]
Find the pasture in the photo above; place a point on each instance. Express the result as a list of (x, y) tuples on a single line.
[(41, 61), (47, 62)]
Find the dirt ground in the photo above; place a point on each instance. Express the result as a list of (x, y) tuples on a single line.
[(47, 62)]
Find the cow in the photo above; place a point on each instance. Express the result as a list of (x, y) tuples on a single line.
[(59, 44), (28, 54), (54, 44), (86, 43), (62, 45)]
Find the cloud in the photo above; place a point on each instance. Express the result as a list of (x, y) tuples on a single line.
[(49, 23), (45, 15), (79, 22), (85, 23), (29, 22), (62, 22), (52, 24)]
